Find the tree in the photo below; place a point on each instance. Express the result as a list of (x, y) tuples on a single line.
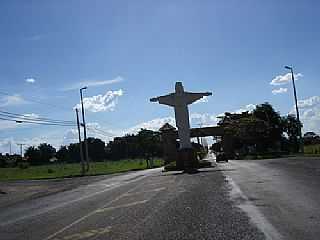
[(145, 144), (273, 120), (249, 133), (292, 127), (33, 155), (63, 154), (46, 152), (259, 131), (74, 152), (149, 144), (96, 149)]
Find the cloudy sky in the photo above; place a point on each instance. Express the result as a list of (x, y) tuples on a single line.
[(129, 51)]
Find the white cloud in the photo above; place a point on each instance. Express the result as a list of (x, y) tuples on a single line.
[(309, 102), (249, 107), (50, 138), (279, 91), (309, 109), (30, 80), (31, 115), (5, 145), (12, 100), (36, 37), (284, 79), (204, 99), (153, 124), (92, 83), (102, 103), (205, 119), (93, 130), (71, 136)]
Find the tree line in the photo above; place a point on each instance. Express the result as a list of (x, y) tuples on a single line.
[(145, 144), (261, 131)]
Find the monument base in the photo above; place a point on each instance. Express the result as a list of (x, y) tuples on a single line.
[(187, 160)]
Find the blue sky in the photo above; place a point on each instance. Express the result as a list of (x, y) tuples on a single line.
[(129, 51)]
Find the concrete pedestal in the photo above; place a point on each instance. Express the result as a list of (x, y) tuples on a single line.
[(187, 159)]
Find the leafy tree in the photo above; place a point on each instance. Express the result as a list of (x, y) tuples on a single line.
[(247, 130), (46, 152), (96, 149), (145, 144), (273, 120), (259, 131), (116, 149), (63, 154), (292, 127), (149, 144), (33, 155), (74, 153)]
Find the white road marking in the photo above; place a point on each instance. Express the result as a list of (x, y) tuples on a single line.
[(89, 214), (253, 212), (122, 206), (159, 183), (86, 234), (147, 191), (50, 208)]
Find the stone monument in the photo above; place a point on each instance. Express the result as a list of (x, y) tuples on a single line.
[(180, 100)]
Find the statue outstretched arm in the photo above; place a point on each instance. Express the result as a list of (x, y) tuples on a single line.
[(192, 97), (166, 100)]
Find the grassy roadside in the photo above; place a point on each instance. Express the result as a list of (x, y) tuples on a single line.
[(73, 169), (312, 149)]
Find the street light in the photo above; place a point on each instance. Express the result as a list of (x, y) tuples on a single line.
[(84, 127), (296, 103)]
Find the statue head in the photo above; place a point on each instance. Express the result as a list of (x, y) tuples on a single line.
[(179, 87)]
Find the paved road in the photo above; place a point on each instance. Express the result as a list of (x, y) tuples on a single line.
[(270, 199), (142, 205), (284, 192)]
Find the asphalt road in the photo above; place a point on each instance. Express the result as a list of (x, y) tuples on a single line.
[(283, 193), (270, 199), (141, 205)]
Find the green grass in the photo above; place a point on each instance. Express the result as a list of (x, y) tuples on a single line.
[(73, 169), (312, 149)]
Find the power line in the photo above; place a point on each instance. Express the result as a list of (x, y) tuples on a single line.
[(36, 101), (22, 116), (26, 119), (101, 132), (37, 122)]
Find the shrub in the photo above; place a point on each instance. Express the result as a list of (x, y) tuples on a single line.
[(23, 165)]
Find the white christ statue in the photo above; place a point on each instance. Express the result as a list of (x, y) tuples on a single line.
[(180, 101)]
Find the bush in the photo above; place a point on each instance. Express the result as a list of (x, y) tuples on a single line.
[(23, 165), (50, 170)]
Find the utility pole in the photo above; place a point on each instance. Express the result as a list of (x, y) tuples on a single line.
[(21, 144), (199, 140), (80, 145), (296, 104), (84, 129), (10, 147)]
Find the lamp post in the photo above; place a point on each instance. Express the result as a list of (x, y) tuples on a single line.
[(84, 128), (296, 104)]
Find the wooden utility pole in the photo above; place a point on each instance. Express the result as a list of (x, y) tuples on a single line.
[(84, 129), (80, 145)]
